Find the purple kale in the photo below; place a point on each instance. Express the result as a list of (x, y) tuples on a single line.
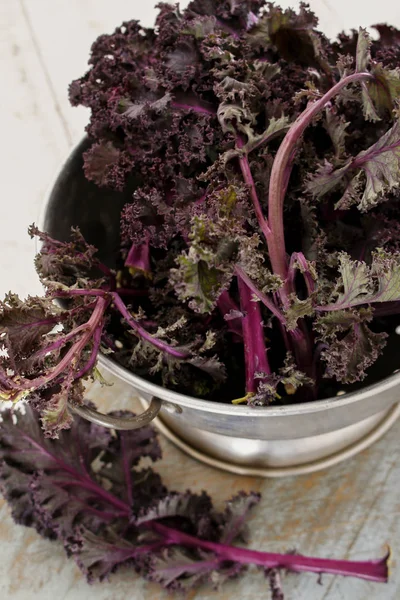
[(88, 491), (259, 241)]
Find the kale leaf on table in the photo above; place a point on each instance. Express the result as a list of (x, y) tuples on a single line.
[(88, 491)]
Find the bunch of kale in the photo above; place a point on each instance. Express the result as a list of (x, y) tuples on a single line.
[(89, 491), (260, 247)]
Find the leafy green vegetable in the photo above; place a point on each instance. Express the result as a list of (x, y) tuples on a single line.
[(261, 164), (88, 491), (380, 166)]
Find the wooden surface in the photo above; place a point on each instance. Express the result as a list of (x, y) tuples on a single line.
[(349, 511)]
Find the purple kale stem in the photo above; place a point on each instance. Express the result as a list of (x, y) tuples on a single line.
[(84, 480), (61, 341), (104, 269), (248, 177), (255, 351), (73, 352), (90, 485), (373, 570), (226, 303), (93, 355), (120, 305), (280, 174), (77, 348), (269, 303), (109, 515), (302, 349), (296, 339), (163, 346), (64, 339)]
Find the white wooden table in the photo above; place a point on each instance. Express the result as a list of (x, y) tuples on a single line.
[(350, 511)]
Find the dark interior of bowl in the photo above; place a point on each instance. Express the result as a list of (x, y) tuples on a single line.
[(75, 201)]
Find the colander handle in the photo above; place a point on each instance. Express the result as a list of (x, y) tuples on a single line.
[(122, 423)]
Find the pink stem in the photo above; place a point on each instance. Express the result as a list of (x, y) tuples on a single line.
[(255, 351), (374, 570), (72, 353), (248, 177), (90, 485), (93, 355), (61, 341), (163, 346), (269, 303), (278, 179)]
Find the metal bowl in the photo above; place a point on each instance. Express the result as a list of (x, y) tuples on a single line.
[(266, 437)]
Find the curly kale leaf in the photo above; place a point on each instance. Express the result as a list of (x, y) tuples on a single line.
[(45, 365), (350, 347), (378, 167), (86, 491), (380, 94), (360, 283)]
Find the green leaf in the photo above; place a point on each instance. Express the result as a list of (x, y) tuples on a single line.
[(202, 273), (267, 69), (275, 127), (348, 357), (200, 27), (336, 127), (330, 323), (384, 90), (355, 280), (363, 54), (200, 281), (352, 192), (380, 165), (362, 284), (325, 179), (379, 94), (56, 416), (386, 269), (369, 109), (253, 261), (297, 310), (291, 378)]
